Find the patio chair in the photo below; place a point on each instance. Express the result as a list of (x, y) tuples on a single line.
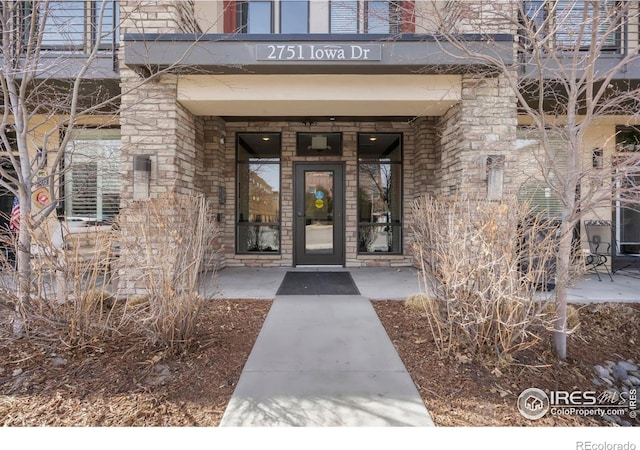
[(599, 237)]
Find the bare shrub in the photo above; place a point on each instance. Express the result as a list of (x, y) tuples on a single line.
[(174, 236), (71, 297), (482, 263)]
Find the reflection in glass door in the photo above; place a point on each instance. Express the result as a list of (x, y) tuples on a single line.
[(319, 210)]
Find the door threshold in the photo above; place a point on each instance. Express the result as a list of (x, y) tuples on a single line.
[(316, 267)]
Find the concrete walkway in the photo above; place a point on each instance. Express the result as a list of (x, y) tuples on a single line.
[(327, 360), (324, 361), (398, 283)]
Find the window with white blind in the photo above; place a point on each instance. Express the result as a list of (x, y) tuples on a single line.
[(541, 184), (576, 20), (92, 175), (573, 21)]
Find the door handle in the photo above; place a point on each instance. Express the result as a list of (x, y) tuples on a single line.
[(300, 214)]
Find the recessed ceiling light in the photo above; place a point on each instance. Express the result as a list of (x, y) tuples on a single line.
[(266, 138), (373, 138)]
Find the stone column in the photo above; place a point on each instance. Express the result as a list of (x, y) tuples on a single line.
[(481, 126), (156, 126)]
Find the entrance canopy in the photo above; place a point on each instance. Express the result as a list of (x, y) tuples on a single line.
[(319, 95)]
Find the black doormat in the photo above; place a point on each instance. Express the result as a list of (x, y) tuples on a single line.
[(318, 283)]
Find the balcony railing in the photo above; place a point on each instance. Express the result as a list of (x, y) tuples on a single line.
[(71, 27), (576, 25)]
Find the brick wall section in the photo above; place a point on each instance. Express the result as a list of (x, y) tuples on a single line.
[(484, 16), (210, 176), (424, 162), (483, 123), (158, 17), (153, 123)]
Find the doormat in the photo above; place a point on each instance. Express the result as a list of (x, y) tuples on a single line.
[(318, 283)]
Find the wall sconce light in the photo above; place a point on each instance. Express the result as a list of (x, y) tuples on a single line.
[(141, 176), (597, 158), (495, 176), (222, 195)]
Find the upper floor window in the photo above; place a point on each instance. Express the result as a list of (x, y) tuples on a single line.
[(573, 23), (371, 17), (70, 24), (318, 16), (278, 16)]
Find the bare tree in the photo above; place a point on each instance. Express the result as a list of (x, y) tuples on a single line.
[(564, 86), (43, 82), (57, 58)]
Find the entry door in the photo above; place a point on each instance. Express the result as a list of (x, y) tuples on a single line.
[(319, 214)]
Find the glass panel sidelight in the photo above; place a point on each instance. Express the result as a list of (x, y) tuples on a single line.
[(379, 193), (318, 206), (258, 199)]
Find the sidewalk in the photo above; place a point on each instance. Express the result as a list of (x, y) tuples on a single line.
[(324, 361), (327, 360), (399, 283)]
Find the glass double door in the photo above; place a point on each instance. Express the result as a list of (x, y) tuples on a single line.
[(319, 226)]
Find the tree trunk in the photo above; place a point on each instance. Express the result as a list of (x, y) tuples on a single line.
[(23, 261), (563, 262)]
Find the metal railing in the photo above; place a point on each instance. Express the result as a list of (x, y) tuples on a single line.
[(560, 25), (71, 26)]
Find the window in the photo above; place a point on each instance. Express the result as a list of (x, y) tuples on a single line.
[(75, 24), (344, 17), (6, 196), (627, 214), (540, 188), (294, 17), (573, 31), (258, 181), (92, 175), (573, 22), (319, 144), (380, 17), (383, 17), (321, 16), (255, 17), (380, 193), (259, 16)]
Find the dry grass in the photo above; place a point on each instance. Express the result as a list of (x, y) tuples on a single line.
[(72, 277), (174, 248)]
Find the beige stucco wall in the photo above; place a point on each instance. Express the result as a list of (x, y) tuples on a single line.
[(323, 95), (601, 133)]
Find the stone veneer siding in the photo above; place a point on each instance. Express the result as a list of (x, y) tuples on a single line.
[(483, 123), (154, 124)]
